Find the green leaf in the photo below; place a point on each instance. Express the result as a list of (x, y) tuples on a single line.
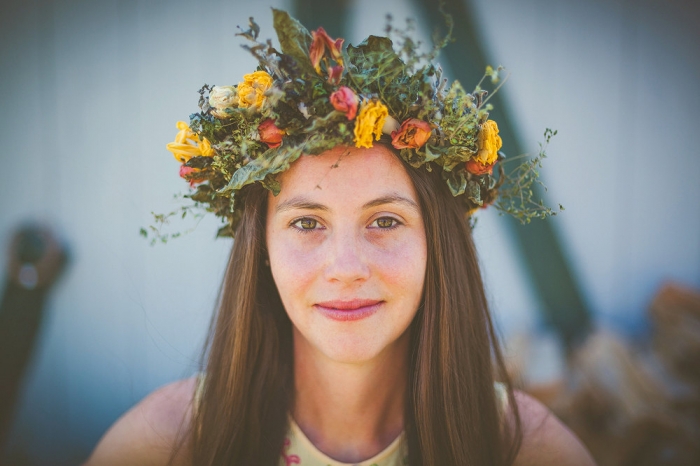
[(375, 50), (271, 162), (473, 192), (456, 181), (294, 38)]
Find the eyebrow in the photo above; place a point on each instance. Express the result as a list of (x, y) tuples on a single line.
[(391, 199), (301, 202)]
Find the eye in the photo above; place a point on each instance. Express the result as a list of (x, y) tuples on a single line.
[(305, 224), (386, 223)]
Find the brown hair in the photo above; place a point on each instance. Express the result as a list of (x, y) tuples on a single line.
[(451, 414)]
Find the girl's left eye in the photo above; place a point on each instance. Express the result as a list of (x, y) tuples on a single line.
[(386, 223)]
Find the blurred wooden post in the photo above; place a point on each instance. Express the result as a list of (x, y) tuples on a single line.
[(547, 268), (35, 261)]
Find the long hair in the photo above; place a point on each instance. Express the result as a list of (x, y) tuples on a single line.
[(451, 414)]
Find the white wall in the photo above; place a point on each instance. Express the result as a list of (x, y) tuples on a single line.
[(90, 92)]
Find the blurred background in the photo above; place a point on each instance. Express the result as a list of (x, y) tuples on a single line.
[(595, 305)]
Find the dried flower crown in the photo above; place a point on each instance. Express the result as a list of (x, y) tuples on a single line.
[(314, 95)]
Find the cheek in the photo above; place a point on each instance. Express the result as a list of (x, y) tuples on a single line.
[(293, 270), (402, 262)]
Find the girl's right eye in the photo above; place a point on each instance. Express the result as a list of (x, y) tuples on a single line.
[(305, 225)]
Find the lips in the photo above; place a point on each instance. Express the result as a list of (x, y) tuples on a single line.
[(350, 305), (351, 310)]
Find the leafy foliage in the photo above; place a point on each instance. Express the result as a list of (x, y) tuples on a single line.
[(400, 76)]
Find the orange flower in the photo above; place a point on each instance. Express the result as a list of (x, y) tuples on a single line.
[(270, 134), (345, 100), (321, 41), (477, 168), (412, 134)]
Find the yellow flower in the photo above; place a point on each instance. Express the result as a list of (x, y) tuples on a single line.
[(489, 143), (188, 144), (369, 122), (251, 92)]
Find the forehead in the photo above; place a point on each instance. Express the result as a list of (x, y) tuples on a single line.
[(347, 175)]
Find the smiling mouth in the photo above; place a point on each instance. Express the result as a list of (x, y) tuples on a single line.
[(344, 311)]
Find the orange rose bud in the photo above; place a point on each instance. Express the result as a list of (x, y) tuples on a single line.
[(188, 174), (335, 73), (316, 50), (270, 134), (477, 168), (412, 134), (345, 100)]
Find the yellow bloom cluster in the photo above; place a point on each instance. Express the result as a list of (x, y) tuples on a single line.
[(187, 144), (369, 122), (489, 143), (251, 92)]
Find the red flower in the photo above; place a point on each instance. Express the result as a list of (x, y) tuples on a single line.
[(477, 168), (412, 134), (345, 100), (334, 74), (321, 41), (270, 134), (188, 174)]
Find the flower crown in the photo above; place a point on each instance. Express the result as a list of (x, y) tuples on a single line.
[(314, 95)]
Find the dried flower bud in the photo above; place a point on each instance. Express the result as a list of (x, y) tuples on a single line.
[(221, 98), (345, 100), (412, 134), (270, 134)]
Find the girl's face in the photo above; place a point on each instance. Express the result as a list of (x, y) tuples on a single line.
[(348, 252)]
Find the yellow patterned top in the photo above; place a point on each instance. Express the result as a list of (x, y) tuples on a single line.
[(298, 449)]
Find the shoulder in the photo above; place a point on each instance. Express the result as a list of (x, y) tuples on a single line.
[(546, 441), (147, 433)]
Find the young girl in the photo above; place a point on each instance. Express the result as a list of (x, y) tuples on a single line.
[(353, 327)]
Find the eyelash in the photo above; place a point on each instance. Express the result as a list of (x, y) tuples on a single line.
[(304, 230), (310, 230)]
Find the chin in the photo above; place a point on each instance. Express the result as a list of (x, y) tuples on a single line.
[(353, 349)]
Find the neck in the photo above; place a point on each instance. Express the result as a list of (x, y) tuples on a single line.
[(350, 411)]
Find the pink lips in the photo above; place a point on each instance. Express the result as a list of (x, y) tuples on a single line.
[(354, 309)]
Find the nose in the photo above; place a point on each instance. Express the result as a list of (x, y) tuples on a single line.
[(346, 258)]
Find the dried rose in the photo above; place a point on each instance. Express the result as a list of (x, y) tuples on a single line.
[(251, 92), (489, 143), (345, 100), (412, 134), (477, 168), (369, 122), (221, 98), (270, 134)]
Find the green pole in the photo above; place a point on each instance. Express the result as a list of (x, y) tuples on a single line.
[(540, 249)]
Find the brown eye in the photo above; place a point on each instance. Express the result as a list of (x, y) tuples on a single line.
[(386, 222), (307, 223)]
